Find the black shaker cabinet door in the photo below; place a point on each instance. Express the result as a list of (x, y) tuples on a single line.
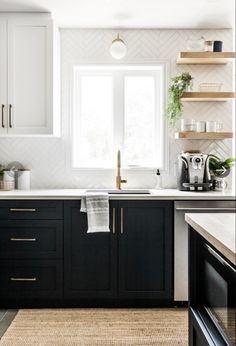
[(89, 258), (145, 249)]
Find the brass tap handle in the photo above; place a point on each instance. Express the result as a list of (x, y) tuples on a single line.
[(119, 179)]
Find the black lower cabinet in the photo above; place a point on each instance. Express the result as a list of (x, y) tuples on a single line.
[(145, 250), (31, 253), (132, 263), (89, 258), (34, 279), (49, 259)]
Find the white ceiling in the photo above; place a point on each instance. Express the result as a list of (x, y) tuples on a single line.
[(131, 13)]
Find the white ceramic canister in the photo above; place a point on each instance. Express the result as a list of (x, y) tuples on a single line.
[(23, 179)]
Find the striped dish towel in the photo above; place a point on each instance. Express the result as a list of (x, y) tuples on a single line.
[(97, 208)]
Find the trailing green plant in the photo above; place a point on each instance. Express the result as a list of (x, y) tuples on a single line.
[(220, 168), (174, 105)]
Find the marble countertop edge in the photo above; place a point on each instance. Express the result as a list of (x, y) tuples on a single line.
[(218, 229), (171, 194)]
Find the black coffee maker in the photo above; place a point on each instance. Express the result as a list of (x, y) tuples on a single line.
[(193, 172)]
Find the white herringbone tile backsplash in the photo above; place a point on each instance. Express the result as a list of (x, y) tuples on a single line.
[(49, 159)]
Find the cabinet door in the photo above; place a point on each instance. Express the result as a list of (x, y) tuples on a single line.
[(3, 77), (89, 258), (29, 76), (145, 250), (32, 279)]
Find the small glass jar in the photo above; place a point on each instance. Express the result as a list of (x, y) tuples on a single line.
[(188, 125), (201, 126), (209, 46), (211, 126), (195, 44), (219, 126)]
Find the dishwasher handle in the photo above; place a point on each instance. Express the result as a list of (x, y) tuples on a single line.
[(218, 257)]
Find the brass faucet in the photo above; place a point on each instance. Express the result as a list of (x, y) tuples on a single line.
[(119, 180)]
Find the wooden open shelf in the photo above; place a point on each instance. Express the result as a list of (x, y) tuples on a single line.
[(210, 58), (198, 96), (204, 135)]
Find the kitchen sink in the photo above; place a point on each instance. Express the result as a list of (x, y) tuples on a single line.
[(122, 192)]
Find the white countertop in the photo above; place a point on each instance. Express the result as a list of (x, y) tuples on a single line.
[(218, 230), (164, 194)]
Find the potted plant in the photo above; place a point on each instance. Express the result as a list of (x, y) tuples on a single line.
[(177, 87), (219, 170), (2, 168)]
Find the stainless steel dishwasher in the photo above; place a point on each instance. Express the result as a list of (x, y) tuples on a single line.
[(181, 238)]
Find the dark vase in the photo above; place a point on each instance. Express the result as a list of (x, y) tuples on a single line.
[(218, 46)]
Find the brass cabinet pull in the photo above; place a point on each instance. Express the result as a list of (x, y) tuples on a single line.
[(3, 116), (22, 209), (22, 239), (113, 220), (10, 120), (23, 279), (121, 221)]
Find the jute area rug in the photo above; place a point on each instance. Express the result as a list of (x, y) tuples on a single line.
[(98, 327)]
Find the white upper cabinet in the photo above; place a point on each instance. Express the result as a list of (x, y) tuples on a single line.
[(3, 76), (27, 93)]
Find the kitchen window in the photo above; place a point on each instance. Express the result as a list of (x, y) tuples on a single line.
[(118, 107)]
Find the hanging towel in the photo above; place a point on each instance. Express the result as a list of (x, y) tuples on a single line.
[(97, 208)]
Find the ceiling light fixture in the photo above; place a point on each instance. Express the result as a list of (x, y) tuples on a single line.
[(118, 48)]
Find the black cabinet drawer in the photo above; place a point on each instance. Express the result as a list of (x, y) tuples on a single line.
[(30, 279), (31, 239), (31, 209)]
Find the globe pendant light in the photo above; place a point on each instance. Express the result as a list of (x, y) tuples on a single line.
[(118, 48)]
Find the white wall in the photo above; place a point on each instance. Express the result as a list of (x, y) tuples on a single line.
[(49, 158)]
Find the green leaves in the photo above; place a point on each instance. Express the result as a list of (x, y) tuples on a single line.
[(175, 91), (229, 162)]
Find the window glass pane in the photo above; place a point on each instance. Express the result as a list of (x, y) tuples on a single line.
[(93, 133), (139, 120)]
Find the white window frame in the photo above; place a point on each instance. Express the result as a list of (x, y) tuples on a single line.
[(86, 68)]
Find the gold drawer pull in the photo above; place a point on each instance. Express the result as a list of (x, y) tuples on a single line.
[(22, 209), (23, 279), (113, 220), (22, 239), (121, 220)]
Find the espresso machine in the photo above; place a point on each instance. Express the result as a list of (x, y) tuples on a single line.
[(193, 172)]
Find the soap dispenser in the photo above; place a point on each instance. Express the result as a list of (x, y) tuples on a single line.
[(158, 185)]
